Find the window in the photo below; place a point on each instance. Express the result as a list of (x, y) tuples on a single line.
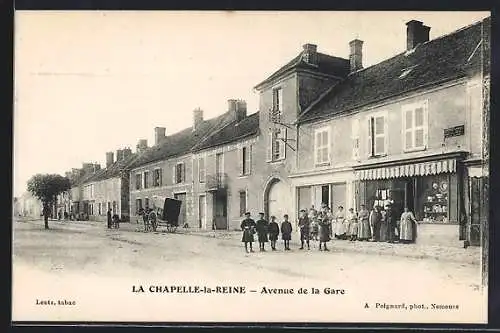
[(278, 100), (245, 160), (377, 138), (355, 139), (276, 146), (138, 204), (179, 173), (99, 208), (138, 181), (243, 202), (146, 202), (146, 179), (322, 146), (415, 126), (157, 177), (201, 169)]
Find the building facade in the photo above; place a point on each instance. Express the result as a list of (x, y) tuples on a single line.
[(408, 130)]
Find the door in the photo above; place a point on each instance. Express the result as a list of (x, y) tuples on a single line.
[(475, 210), (338, 196), (182, 213), (277, 198), (202, 205)]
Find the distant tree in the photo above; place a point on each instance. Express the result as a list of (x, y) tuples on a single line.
[(46, 188)]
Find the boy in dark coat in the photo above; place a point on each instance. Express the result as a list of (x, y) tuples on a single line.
[(304, 226), (109, 218), (286, 232), (274, 231), (248, 227), (262, 230)]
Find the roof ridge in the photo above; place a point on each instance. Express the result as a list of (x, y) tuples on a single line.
[(212, 134)]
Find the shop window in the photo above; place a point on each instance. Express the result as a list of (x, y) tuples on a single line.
[(322, 146), (433, 201)]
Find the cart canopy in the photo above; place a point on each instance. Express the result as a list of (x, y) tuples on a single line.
[(168, 209)]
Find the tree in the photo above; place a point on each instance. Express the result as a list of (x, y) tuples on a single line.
[(46, 188)]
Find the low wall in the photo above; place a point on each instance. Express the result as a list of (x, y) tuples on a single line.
[(439, 234)]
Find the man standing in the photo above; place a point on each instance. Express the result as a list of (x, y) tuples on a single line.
[(248, 227), (375, 220), (304, 227), (391, 223), (262, 230), (109, 218)]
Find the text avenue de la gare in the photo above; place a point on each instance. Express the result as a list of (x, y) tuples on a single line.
[(171, 289)]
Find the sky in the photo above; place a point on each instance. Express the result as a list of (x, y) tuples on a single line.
[(89, 82)]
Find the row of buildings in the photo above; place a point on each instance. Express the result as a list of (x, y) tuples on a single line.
[(412, 129)]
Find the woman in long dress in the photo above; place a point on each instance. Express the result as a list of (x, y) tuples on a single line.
[(364, 232), (340, 231), (352, 225), (407, 233)]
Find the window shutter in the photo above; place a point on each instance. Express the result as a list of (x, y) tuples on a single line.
[(183, 172), (426, 123), (174, 170), (370, 146), (269, 153), (241, 160), (249, 149), (282, 143), (386, 134), (160, 180)]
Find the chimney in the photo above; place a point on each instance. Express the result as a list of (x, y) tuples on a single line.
[(109, 159), (232, 105), (119, 155), (159, 134), (126, 152), (142, 145), (96, 167), (237, 108), (197, 118), (416, 33), (310, 54), (356, 55)]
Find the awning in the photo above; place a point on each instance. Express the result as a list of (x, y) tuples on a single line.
[(409, 170)]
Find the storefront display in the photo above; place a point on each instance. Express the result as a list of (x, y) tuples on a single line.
[(435, 204)]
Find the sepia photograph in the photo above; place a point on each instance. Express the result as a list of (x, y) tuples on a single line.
[(251, 166)]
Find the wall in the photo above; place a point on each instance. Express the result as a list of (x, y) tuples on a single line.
[(167, 188)]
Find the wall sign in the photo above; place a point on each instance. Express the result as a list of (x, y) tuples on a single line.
[(454, 131)]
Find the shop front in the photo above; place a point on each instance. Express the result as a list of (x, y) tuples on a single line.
[(431, 189)]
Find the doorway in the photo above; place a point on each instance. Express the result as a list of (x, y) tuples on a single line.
[(202, 204), (275, 199), (182, 213)]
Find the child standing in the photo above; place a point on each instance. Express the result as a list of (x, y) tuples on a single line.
[(324, 231), (274, 231), (262, 231), (286, 232)]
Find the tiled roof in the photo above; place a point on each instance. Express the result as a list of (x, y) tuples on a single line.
[(327, 64), (181, 142), (232, 132), (439, 60), (114, 170)]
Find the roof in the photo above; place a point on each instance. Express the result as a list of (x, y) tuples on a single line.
[(443, 59), (327, 64), (114, 170), (180, 143), (233, 131)]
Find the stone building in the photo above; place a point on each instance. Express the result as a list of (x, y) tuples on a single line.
[(408, 129), (166, 169)]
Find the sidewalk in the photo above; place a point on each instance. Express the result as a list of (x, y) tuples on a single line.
[(471, 255)]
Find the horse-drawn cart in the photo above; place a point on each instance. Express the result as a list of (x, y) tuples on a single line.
[(167, 212)]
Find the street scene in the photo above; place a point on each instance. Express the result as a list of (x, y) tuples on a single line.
[(338, 169)]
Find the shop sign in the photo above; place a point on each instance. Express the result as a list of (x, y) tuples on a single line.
[(454, 131)]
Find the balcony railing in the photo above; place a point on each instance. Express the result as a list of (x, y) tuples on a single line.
[(216, 182)]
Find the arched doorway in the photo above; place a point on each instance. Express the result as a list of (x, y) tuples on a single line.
[(275, 199)]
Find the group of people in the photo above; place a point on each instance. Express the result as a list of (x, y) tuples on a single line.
[(113, 220), (378, 225)]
